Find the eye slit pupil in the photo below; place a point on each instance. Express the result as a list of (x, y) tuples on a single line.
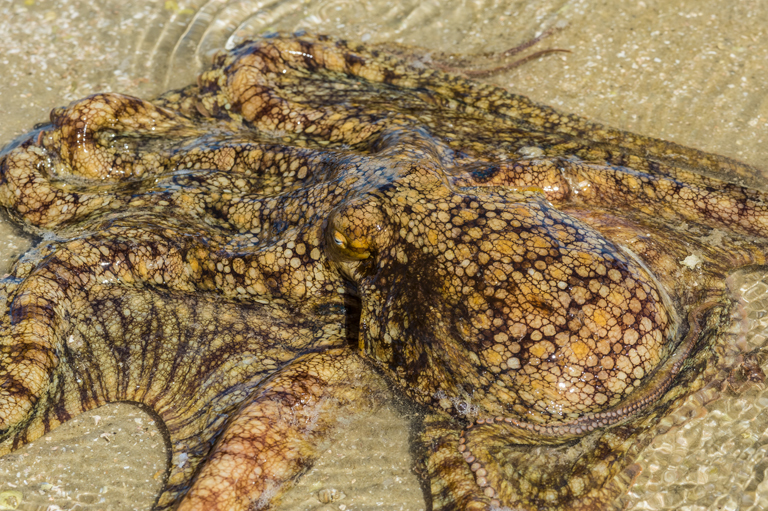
[(339, 239)]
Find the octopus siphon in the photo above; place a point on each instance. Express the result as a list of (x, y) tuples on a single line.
[(249, 257)]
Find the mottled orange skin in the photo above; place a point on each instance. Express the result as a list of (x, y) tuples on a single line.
[(236, 255)]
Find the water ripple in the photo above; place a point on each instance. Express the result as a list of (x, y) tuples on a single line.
[(178, 41)]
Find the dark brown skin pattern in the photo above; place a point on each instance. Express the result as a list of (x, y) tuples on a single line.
[(248, 256)]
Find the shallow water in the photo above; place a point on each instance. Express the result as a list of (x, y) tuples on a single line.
[(691, 72)]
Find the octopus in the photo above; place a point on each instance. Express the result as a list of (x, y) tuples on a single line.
[(250, 257)]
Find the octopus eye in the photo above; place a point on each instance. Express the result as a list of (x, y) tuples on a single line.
[(339, 239), (347, 248)]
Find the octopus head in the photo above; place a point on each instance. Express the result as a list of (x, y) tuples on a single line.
[(491, 299)]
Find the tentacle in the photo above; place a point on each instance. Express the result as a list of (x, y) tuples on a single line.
[(277, 433), (264, 80), (451, 483), (82, 133), (96, 159), (261, 179), (190, 360), (669, 192), (54, 311), (467, 64), (27, 193), (42, 307)]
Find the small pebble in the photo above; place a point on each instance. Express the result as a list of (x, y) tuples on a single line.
[(10, 499)]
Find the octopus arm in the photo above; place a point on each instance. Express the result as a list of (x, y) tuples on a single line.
[(672, 192), (78, 334), (95, 158), (278, 432), (310, 78)]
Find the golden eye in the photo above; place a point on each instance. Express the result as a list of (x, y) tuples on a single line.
[(339, 239)]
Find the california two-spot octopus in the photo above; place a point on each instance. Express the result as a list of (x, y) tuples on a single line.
[(246, 257)]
